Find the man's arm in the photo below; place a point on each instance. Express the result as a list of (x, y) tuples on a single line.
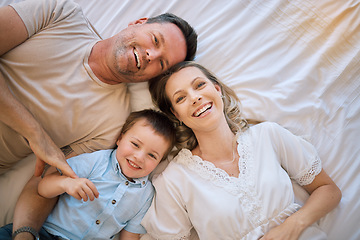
[(12, 113), (12, 29), (31, 208)]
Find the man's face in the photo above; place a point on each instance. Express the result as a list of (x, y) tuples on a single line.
[(143, 51)]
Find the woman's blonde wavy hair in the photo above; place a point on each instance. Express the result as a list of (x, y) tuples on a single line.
[(184, 135)]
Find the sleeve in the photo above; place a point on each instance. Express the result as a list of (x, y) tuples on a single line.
[(296, 155), (167, 217), (83, 164), (134, 225), (40, 14), (95, 144)]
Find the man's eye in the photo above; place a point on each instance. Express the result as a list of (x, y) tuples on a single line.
[(156, 40), (135, 144), (200, 84), (162, 64)]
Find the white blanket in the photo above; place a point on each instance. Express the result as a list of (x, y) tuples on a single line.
[(295, 62)]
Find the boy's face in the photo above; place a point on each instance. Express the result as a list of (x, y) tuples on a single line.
[(140, 150)]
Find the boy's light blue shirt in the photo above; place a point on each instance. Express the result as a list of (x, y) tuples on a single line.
[(121, 203)]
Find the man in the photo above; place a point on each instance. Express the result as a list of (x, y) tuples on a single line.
[(63, 86)]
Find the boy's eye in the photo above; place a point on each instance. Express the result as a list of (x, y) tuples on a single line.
[(152, 156)]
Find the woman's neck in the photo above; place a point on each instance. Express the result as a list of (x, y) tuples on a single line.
[(216, 146)]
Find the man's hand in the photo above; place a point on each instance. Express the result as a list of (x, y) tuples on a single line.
[(46, 151)]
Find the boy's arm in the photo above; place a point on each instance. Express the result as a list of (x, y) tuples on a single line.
[(56, 184), (125, 235), (32, 209)]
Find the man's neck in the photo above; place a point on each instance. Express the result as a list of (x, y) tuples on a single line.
[(97, 63)]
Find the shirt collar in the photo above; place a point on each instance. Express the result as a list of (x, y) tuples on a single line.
[(115, 164)]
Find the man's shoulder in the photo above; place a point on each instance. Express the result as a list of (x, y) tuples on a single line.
[(46, 10)]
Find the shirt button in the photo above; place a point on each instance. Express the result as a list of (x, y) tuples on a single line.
[(97, 222), (126, 183), (113, 201), (143, 182)]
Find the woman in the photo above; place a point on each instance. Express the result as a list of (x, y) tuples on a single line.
[(232, 181)]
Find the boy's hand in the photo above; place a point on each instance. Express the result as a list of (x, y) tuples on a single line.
[(81, 189)]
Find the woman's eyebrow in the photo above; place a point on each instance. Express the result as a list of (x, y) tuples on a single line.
[(192, 82)]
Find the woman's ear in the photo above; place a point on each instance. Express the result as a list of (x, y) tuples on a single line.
[(175, 113), (139, 21), (218, 89)]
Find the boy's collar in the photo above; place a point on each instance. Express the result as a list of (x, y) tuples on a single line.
[(116, 167)]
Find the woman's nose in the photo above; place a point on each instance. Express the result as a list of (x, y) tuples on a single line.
[(196, 99)]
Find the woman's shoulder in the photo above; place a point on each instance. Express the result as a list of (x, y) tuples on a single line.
[(180, 160), (263, 126), (176, 168)]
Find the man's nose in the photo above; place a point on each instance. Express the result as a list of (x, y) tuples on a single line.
[(152, 54)]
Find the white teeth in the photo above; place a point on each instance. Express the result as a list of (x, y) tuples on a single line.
[(202, 110), (137, 58), (133, 164)]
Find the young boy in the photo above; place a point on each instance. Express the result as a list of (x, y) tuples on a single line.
[(115, 181)]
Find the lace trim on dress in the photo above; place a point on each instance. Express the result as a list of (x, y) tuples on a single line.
[(243, 186), (153, 236), (308, 175)]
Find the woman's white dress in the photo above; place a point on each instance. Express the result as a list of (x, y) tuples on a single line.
[(193, 195)]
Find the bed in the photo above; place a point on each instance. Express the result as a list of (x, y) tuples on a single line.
[(295, 62)]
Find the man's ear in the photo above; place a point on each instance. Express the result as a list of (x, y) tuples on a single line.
[(139, 21)]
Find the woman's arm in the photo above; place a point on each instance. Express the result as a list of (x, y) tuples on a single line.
[(125, 235), (324, 197)]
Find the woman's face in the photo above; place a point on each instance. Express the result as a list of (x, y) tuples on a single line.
[(195, 99)]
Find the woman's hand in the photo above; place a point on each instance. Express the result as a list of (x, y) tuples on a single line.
[(288, 230)]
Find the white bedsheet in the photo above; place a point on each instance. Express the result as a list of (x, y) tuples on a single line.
[(293, 62)]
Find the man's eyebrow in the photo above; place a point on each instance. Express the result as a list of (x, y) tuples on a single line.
[(162, 37)]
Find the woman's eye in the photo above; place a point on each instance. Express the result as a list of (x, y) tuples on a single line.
[(177, 100)]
